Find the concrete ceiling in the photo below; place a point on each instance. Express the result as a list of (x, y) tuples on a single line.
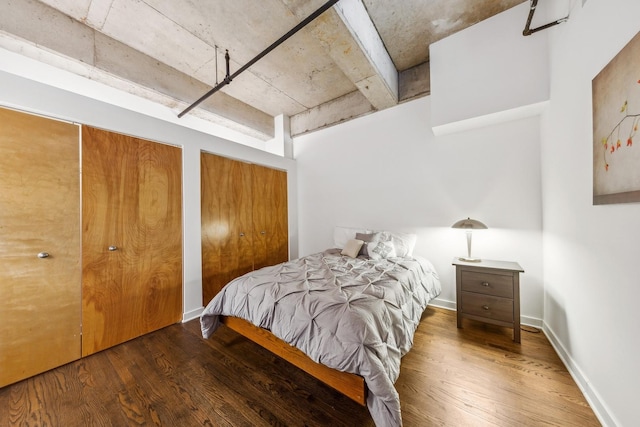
[(360, 56)]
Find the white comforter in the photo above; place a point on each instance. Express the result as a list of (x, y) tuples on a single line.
[(352, 314)]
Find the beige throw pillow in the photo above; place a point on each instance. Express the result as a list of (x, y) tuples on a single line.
[(352, 247)]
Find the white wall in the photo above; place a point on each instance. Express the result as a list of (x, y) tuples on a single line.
[(29, 95), (489, 73), (388, 171), (590, 252)]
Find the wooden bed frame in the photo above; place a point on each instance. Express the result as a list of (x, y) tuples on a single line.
[(351, 385)]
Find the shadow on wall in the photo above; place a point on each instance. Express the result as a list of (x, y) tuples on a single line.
[(556, 325)]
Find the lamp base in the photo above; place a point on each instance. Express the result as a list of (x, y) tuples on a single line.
[(466, 259)]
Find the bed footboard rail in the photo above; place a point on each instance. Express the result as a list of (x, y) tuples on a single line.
[(351, 385)]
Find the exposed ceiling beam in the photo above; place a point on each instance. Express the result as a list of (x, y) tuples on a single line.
[(330, 113), (349, 37), (413, 83), (70, 45)]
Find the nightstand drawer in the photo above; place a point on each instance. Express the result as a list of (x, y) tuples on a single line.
[(487, 306), (489, 291), (487, 283)]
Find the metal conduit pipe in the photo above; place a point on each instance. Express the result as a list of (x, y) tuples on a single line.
[(228, 78), (528, 31)]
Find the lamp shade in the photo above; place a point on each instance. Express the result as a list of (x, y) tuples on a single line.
[(469, 224)]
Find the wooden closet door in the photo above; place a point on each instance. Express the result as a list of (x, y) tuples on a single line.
[(39, 213), (226, 222), (159, 243), (270, 217), (131, 240), (109, 270)]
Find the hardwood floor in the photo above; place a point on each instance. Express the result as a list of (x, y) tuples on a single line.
[(474, 376)]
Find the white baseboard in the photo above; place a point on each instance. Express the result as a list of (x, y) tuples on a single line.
[(193, 314), (442, 303), (531, 321), (593, 398)]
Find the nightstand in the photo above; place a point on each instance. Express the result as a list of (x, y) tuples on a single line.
[(489, 291)]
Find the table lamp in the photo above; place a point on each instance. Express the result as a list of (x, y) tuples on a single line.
[(469, 225)]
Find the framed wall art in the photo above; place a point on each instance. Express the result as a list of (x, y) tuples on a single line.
[(616, 119)]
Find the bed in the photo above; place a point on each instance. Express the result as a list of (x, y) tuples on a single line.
[(346, 316)]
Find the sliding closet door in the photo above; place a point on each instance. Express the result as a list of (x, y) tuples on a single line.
[(132, 238), (226, 222), (39, 245), (270, 213)]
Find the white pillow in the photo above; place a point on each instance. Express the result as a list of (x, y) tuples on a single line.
[(381, 249), (408, 241), (341, 235), (352, 248), (403, 242)]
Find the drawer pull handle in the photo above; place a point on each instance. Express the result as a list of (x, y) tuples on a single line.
[(485, 284), (43, 255), (112, 248), (485, 307)]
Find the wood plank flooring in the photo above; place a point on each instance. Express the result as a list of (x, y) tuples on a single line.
[(474, 376)]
